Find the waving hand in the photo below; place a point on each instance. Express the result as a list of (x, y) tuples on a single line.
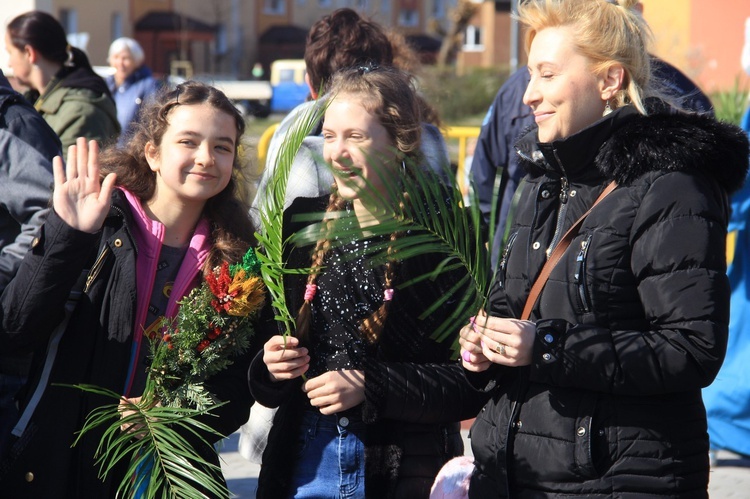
[(79, 199)]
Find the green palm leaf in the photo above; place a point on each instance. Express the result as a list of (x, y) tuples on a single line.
[(437, 222), (159, 442), (271, 236)]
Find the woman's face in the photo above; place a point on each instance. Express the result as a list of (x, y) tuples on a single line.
[(358, 147), (123, 63), (564, 93), (19, 62)]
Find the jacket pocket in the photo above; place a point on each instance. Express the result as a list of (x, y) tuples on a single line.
[(591, 451), (579, 278)]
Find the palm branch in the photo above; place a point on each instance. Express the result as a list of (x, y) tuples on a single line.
[(433, 214), (271, 236), (162, 462)]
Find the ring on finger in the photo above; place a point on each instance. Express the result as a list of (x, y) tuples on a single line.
[(500, 348)]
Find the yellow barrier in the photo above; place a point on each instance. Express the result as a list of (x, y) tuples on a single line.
[(461, 133), (263, 143)]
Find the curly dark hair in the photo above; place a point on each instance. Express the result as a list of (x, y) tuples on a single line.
[(232, 229)]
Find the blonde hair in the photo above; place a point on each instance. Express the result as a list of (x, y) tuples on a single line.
[(607, 32)]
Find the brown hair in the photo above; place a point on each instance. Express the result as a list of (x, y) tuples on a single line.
[(340, 40), (390, 95), (232, 230)]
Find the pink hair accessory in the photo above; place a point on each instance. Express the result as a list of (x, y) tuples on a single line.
[(310, 290), (388, 294)]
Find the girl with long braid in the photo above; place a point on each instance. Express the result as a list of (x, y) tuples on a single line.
[(369, 418)]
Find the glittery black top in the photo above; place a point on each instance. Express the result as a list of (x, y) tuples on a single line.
[(351, 288)]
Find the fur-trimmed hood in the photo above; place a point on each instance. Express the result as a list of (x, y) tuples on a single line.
[(625, 145)]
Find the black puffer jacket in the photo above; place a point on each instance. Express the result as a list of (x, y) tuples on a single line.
[(412, 405), (632, 322)]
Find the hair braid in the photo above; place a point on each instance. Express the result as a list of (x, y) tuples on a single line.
[(304, 315)]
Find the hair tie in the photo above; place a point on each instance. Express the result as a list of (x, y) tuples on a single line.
[(310, 290), (388, 294)]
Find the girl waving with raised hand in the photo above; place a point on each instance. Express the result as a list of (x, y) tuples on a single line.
[(122, 252), (370, 417)]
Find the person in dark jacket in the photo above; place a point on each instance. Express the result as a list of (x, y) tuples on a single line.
[(27, 146), (371, 418), (495, 159), (595, 376), (66, 91), (131, 84), (111, 262)]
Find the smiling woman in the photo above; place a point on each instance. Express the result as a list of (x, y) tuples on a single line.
[(355, 429), (131, 238), (610, 306)]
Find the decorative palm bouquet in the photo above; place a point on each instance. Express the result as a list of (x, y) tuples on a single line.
[(214, 325)]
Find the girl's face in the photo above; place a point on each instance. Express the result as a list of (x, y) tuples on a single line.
[(18, 60), (195, 159), (564, 93), (358, 147)]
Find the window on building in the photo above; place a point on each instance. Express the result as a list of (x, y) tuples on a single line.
[(116, 26), (408, 18), (274, 7), (69, 20), (439, 8), (473, 41), (222, 39)]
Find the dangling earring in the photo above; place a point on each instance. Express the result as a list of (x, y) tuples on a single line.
[(607, 109)]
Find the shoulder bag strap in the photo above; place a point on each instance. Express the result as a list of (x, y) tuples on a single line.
[(557, 253)]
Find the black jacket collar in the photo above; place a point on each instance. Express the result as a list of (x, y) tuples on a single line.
[(625, 145)]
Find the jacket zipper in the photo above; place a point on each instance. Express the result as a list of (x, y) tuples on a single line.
[(564, 189), (96, 268), (99, 263), (580, 275), (504, 262)]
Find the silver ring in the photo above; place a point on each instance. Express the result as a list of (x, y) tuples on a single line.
[(500, 349)]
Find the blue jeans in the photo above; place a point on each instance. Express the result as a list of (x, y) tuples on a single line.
[(331, 462)]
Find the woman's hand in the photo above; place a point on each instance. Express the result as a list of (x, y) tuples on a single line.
[(472, 356), (79, 198), (284, 358), (509, 342), (336, 391), (136, 430)]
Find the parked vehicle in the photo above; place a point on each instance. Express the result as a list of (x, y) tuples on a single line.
[(288, 83)]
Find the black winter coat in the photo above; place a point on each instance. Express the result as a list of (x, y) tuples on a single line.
[(632, 322), (412, 407), (94, 348)]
